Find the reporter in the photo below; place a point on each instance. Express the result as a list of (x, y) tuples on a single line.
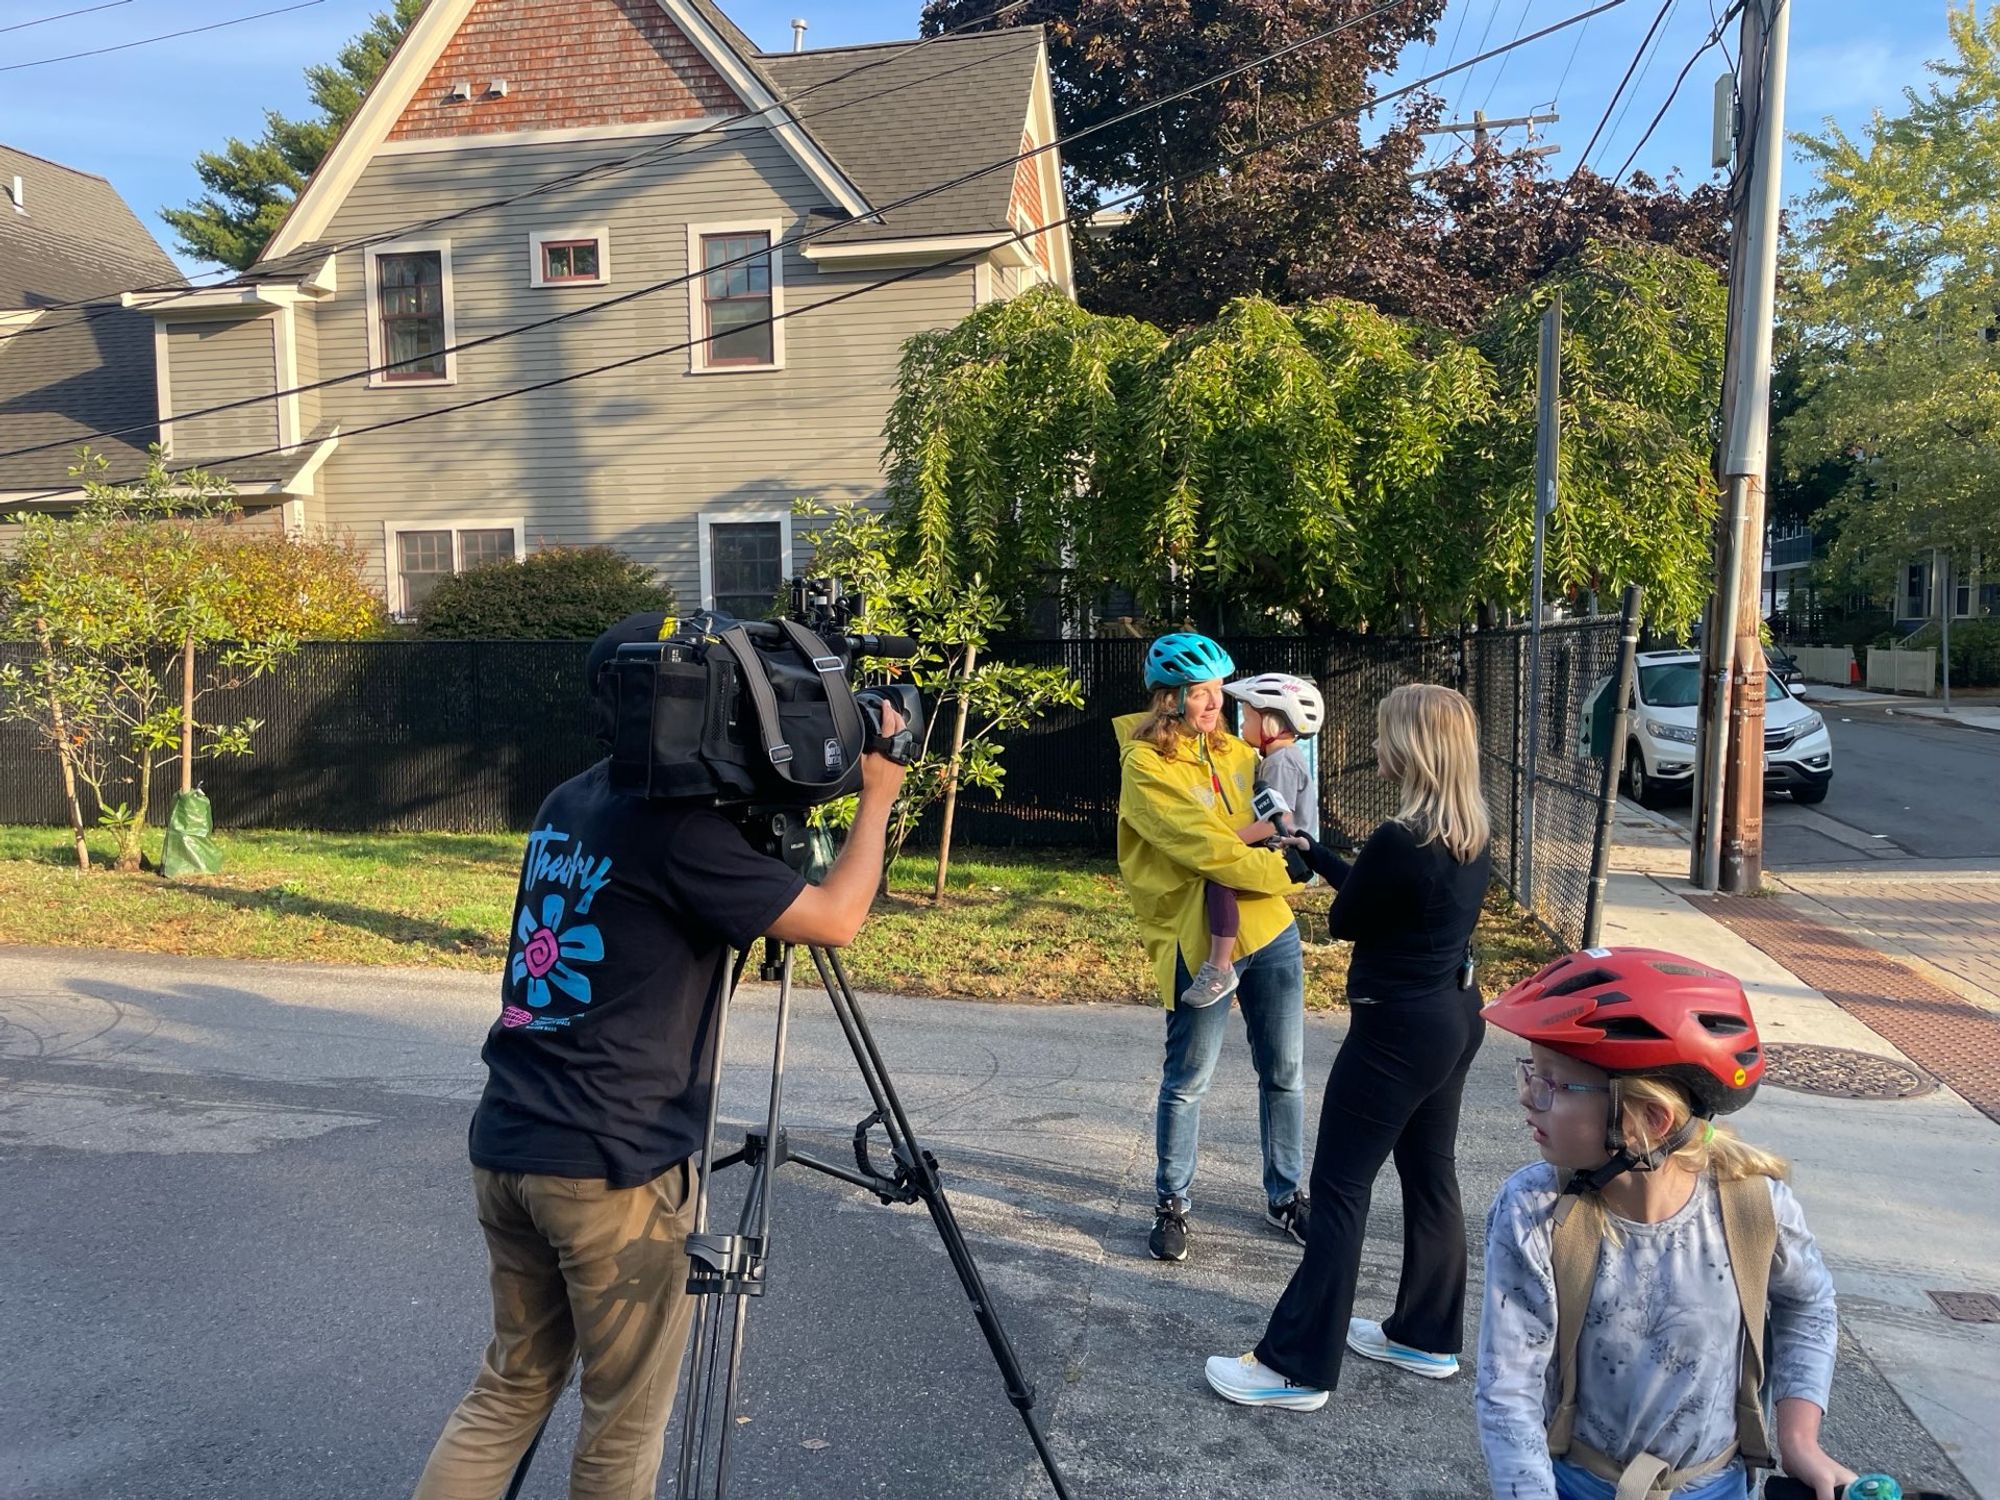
[(599, 1069), (1408, 902)]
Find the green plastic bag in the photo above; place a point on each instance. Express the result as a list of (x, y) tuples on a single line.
[(191, 848)]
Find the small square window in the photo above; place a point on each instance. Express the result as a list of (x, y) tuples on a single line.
[(569, 260), (478, 548), (424, 560), (421, 559)]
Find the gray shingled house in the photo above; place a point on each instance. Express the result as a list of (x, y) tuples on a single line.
[(520, 159), (73, 359)]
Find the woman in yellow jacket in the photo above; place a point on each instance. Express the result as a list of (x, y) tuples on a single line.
[(1184, 820)]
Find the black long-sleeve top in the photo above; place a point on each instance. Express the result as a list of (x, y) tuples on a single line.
[(1409, 909)]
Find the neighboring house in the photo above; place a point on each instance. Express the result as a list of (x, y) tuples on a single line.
[(69, 370), (1789, 553), (688, 461)]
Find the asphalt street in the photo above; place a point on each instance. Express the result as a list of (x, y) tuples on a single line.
[(238, 1256), (1904, 788)]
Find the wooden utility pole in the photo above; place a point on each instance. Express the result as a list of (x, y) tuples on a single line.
[(1729, 842)]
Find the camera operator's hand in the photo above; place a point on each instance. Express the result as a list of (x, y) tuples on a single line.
[(829, 914), (881, 776)]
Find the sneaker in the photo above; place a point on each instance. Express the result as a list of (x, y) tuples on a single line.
[(1289, 1216), (1250, 1382), (1366, 1338), (1209, 985), (1168, 1241)]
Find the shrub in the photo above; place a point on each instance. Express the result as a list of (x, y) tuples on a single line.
[(558, 594), (1975, 653)]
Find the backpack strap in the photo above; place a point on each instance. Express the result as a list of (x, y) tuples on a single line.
[(1576, 1244), (847, 725), (1750, 1230)]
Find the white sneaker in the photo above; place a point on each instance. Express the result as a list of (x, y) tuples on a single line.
[(1366, 1338), (1248, 1381)]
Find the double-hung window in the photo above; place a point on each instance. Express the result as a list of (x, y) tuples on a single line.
[(410, 325), (736, 303)]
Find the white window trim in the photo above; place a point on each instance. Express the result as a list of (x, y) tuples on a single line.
[(540, 237), (705, 551), (392, 571), (698, 349), (376, 356)]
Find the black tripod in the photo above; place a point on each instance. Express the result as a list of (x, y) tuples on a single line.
[(727, 1269)]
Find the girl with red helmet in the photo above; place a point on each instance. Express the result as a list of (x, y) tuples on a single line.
[(1623, 1351)]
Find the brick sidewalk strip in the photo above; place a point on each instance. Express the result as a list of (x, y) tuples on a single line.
[(1952, 1039)]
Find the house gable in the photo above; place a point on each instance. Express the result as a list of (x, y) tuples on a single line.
[(517, 65), (552, 36)]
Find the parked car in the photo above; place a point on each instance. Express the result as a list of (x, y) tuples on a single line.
[(1784, 666), (1660, 733)]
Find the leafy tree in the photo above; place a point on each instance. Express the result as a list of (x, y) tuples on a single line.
[(952, 621), (556, 594), (1895, 306), (251, 184), (1643, 333), (120, 597)]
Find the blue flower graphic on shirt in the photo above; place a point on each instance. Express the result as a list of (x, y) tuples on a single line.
[(547, 952)]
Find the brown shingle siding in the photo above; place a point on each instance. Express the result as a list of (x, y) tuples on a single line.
[(566, 65)]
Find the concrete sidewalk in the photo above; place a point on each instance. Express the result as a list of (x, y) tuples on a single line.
[(1976, 713), (1903, 1193)]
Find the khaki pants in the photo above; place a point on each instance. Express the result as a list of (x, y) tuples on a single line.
[(579, 1269)]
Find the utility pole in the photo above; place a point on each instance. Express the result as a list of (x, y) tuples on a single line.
[(1729, 842), (1548, 472)]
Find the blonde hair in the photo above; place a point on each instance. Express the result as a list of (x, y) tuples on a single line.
[(1715, 1149), (1165, 727), (1429, 739)]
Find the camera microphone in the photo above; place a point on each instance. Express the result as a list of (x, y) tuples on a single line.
[(891, 647)]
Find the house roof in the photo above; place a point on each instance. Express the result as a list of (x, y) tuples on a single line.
[(73, 239), (78, 370), (948, 107)]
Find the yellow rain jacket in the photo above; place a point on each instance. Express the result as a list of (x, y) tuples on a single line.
[(1175, 832)]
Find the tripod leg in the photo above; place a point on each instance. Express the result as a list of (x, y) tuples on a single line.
[(922, 1170)]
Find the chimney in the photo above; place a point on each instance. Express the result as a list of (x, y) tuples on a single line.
[(798, 34), (19, 194)]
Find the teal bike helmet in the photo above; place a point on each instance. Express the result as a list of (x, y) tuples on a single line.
[(1183, 659)]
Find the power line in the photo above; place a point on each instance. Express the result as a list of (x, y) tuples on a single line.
[(692, 273), (715, 128), (65, 15), (1501, 72), (1575, 47), (165, 36), (1605, 119), (1714, 39), (1020, 236), (1485, 32), (1644, 69)]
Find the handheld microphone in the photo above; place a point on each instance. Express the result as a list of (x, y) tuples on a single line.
[(1271, 806)]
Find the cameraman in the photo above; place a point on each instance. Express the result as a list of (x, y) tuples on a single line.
[(599, 1069)]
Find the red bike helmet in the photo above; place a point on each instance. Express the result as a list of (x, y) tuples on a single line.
[(1640, 1011)]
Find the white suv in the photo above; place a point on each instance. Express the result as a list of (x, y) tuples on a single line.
[(1660, 733)]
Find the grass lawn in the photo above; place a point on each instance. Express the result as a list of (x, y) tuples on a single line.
[(1023, 925)]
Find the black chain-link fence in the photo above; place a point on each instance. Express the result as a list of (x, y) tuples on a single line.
[(469, 736)]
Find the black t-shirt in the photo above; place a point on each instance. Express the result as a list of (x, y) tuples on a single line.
[(1409, 909), (600, 1062)]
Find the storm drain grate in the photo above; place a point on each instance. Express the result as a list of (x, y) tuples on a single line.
[(1841, 1072), (1967, 1307)]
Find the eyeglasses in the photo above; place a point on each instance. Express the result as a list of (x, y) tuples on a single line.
[(1540, 1091)]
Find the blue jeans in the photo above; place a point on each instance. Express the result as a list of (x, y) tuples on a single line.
[(1573, 1483), (1272, 995)]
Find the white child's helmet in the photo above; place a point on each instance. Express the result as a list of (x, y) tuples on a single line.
[(1292, 698)]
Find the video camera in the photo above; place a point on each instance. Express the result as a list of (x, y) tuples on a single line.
[(760, 713)]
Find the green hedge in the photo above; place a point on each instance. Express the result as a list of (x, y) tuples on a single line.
[(1975, 653), (558, 594)]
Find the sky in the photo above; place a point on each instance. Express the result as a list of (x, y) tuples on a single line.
[(141, 116)]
